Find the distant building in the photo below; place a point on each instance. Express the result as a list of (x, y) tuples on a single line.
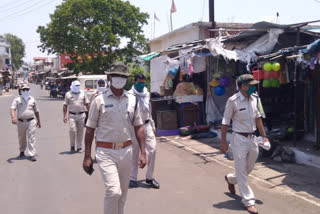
[(5, 54)]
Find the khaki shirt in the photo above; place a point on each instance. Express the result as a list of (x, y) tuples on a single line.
[(146, 114), (76, 102), (243, 113), (113, 117), (25, 109)]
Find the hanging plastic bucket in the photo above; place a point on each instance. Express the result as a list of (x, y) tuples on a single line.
[(267, 75), (275, 83), (275, 75), (257, 73), (266, 83)]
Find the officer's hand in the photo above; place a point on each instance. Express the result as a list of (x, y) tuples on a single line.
[(14, 121), (87, 162), (65, 120), (223, 147), (142, 160), (39, 124)]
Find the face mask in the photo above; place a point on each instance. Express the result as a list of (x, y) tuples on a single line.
[(118, 82), (251, 90), (25, 95), (139, 86), (75, 88), (100, 89)]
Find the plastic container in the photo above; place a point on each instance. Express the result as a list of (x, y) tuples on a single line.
[(257, 73), (266, 83), (267, 75), (265, 145)]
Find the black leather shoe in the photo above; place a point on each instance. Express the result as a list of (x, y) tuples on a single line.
[(133, 184), (33, 158), (72, 149), (231, 187), (153, 183), (21, 155), (79, 149)]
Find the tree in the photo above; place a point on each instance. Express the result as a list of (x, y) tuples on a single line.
[(17, 50), (93, 33)]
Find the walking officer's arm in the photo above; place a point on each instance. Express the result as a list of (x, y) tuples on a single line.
[(12, 112), (65, 107), (141, 140), (228, 113), (260, 127)]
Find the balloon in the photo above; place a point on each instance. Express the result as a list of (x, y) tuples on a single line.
[(276, 66), (224, 82), (214, 83), (267, 66), (266, 83), (275, 83), (219, 91), (173, 72)]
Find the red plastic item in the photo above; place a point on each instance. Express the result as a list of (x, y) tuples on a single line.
[(257, 73), (275, 75), (267, 75)]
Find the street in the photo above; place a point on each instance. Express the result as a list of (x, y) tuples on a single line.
[(56, 183)]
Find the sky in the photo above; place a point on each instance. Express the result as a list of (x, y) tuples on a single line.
[(22, 17)]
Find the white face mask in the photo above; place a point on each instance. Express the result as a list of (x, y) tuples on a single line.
[(75, 88), (100, 89), (118, 82), (25, 95)]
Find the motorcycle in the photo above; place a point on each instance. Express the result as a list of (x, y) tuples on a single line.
[(54, 93)]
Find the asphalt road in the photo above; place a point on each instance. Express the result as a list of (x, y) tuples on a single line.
[(56, 184)]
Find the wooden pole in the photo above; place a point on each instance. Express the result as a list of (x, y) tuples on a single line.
[(211, 18)]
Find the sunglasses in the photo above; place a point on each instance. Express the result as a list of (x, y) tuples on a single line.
[(25, 89)]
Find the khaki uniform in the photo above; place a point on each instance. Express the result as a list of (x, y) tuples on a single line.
[(113, 119), (76, 106), (150, 140), (243, 113), (26, 129)]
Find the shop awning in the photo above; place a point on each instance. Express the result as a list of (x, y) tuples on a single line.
[(69, 77), (149, 56)]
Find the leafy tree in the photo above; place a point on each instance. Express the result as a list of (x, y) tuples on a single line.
[(17, 50), (93, 33)]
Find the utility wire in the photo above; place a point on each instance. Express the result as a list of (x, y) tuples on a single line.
[(317, 1), (21, 10), (10, 5), (13, 16), (14, 7)]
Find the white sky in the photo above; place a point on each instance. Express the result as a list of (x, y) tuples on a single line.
[(22, 17)]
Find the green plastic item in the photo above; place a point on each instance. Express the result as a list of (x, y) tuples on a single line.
[(275, 83), (266, 83)]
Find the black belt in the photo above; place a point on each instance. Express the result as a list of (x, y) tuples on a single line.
[(146, 122), (27, 120), (70, 112), (245, 134)]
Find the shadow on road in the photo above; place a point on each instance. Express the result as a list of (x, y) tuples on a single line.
[(47, 98), (234, 204), (11, 160), (68, 153)]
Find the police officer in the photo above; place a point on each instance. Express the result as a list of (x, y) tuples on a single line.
[(75, 103), (27, 111), (242, 109), (112, 114), (101, 86), (143, 96)]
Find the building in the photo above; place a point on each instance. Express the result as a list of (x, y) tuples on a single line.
[(5, 54)]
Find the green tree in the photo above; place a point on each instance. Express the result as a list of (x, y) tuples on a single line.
[(17, 50), (94, 33)]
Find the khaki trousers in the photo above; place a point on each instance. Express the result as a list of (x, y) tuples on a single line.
[(151, 145), (115, 170), (245, 153), (27, 136), (76, 123)]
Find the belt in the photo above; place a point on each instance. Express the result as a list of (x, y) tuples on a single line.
[(116, 146), (70, 112), (245, 134), (146, 122), (27, 120)]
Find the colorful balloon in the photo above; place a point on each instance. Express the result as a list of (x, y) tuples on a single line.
[(214, 83), (219, 91), (224, 82), (276, 66), (266, 83), (267, 66)]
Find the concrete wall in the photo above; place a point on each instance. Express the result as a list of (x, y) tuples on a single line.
[(179, 37)]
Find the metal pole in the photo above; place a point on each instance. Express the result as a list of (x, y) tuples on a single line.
[(171, 29), (211, 17)]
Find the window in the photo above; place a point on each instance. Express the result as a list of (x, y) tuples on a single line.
[(91, 84), (7, 61), (8, 50)]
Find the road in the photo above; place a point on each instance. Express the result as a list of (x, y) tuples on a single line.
[(56, 184)]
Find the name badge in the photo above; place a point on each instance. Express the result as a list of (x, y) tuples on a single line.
[(108, 106), (242, 109)]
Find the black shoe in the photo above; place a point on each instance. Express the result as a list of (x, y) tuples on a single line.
[(153, 183), (72, 149), (79, 149), (33, 158), (133, 184), (21, 155)]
